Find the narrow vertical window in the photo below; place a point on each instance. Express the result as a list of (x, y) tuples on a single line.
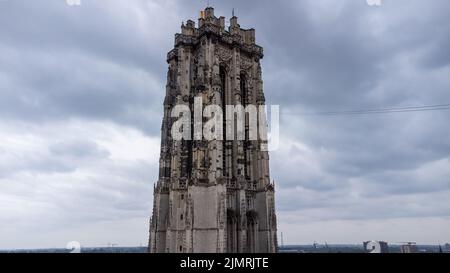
[(223, 89), (244, 99)]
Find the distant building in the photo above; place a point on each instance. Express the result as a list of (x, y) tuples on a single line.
[(376, 247), (409, 248), (447, 248)]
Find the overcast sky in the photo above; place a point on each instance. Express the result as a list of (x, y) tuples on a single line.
[(81, 93)]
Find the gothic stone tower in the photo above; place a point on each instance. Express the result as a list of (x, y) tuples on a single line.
[(213, 196)]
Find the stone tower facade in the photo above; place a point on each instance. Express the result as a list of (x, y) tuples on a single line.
[(213, 196)]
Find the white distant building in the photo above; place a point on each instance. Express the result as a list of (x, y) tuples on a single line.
[(376, 246)]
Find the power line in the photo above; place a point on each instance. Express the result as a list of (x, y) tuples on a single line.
[(376, 111)]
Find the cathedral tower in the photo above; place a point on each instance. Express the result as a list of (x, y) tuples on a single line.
[(213, 195)]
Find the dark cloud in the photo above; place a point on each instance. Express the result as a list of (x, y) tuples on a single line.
[(51, 55)]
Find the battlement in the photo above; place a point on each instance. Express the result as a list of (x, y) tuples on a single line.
[(208, 22)]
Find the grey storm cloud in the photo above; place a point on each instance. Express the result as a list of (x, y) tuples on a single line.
[(50, 56), (81, 93)]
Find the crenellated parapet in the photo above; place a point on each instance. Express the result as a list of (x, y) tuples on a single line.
[(210, 25)]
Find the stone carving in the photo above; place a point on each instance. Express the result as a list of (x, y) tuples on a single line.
[(224, 54), (246, 63)]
